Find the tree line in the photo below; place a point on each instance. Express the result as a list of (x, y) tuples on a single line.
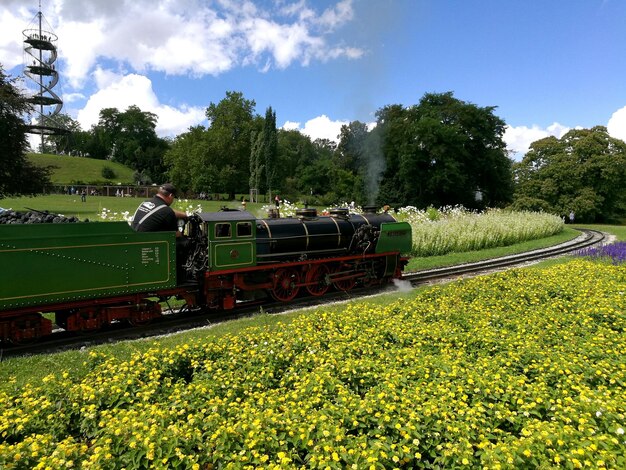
[(440, 151)]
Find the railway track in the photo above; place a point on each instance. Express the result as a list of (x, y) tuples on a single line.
[(174, 321), (586, 239)]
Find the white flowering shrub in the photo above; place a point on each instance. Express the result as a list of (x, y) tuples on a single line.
[(286, 209), (185, 206), (110, 216), (456, 229)]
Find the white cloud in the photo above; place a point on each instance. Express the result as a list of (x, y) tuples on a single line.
[(617, 124), (320, 127), (284, 43), (122, 91), (291, 125), (78, 46), (71, 97), (337, 15), (518, 139), (11, 36), (192, 37)]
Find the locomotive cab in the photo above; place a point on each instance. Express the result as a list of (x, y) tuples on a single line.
[(231, 239)]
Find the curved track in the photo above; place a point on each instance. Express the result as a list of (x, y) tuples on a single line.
[(176, 321), (588, 238)]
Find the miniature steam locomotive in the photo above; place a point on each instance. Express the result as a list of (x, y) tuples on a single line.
[(93, 274)]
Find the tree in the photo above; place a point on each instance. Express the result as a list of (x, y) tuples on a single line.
[(584, 172), (390, 121), (351, 146), (67, 142), (315, 175), (189, 162), (263, 155), (106, 131), (270, 148), (17, 174), (232, 123), (444, 151), (129, 138), (295, 153), (256, 165)]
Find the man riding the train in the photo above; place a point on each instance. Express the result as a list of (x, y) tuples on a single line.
[(156, 215)]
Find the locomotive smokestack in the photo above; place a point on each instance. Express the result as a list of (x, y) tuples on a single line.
[(370, 209)]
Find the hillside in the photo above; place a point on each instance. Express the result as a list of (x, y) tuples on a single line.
[(80, 170)]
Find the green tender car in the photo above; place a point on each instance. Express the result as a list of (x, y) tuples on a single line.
[(61, 263)]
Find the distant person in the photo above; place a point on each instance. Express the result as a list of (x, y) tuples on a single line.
[(571, 217), (83, 196), (156, 215), (277, 201)]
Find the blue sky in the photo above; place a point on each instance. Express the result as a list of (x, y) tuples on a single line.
[(548, 66)]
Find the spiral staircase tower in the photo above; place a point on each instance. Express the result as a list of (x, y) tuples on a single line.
[(40, 55)]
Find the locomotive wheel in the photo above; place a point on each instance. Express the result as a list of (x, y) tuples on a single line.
[(373, 279), (375, 275), (316, 279), (343, 284), (285, 285), (372, 282)]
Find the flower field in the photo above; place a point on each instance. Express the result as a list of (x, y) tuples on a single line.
[(521, 369), (614, 253), (455, 229)]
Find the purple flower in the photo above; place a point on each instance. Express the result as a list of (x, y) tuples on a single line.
[(615, 252)]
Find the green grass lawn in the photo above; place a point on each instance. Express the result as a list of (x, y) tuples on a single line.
[(93, 207), (81, 170), (618, 230)]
